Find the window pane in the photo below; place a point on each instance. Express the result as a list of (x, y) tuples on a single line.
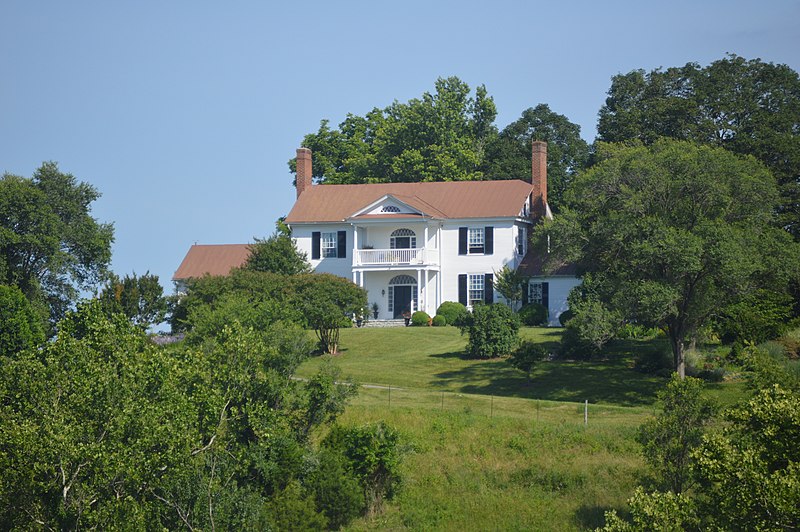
[(475, 239), (535, 293), (476, 288), (329, 244)]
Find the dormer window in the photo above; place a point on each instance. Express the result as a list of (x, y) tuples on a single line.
[(390, 208)]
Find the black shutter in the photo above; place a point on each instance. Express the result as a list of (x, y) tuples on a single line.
[(546, 296), (341, 251), (462, 289), (488, 288), (525, 289), (462, 240), (315, 237), (488, 241)]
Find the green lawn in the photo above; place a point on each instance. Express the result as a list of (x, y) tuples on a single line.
[(432, 359), (492, 450)]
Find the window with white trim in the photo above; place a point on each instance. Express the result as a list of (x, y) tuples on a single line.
[(475, 288), (475, 240), (390, 208), (403, 239), (328, 244)]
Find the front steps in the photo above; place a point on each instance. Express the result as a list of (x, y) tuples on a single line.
[(384, 323)]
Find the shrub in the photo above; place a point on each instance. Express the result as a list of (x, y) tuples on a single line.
[(493, 330), (565, 316), (439, 321), (20, 327), (527, 355), (655, 361), (533, 314), (590, 330), (758, 318), (337, 492), (420, 319), (452, 311)]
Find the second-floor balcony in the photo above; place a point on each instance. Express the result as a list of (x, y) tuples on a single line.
[(396, 257)]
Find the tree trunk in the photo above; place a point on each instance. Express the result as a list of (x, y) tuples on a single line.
[(678, 350)]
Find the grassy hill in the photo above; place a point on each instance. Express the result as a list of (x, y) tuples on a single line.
[(492, 450)]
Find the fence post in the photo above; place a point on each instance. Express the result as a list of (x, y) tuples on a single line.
[(586, 413)]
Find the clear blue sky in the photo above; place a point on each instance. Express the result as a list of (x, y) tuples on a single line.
[(184, 113)]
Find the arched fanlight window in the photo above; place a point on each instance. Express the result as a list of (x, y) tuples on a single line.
[(403, 239), (403, 279)]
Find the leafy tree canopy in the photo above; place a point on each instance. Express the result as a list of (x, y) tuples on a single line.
[(140, 299), (509, 154), (50, 245), (439, 137), (746, 106), (277, 254), (672, 232), (20, 326)]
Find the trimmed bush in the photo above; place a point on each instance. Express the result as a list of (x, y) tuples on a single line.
[(493, 330), (420, 319), (439, 321), (565, 316), (533, 314), (452, 311), (527, 355)]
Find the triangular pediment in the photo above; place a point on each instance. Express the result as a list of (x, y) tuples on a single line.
[(387, 205)]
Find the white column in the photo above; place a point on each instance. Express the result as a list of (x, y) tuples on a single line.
[(419, 289), (427, 302), (356, 258)]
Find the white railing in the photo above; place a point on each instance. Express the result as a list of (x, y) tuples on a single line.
[(391, 257)]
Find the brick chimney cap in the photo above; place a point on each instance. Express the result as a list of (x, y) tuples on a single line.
[(304, 150)]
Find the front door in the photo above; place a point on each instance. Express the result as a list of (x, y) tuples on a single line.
[(402, 301)]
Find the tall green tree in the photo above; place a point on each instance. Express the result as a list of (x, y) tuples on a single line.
[(140, 298), (746, 106), (50, 245), (509, 153), (673, 232), (20, 326), (441, 136), (277, 254)]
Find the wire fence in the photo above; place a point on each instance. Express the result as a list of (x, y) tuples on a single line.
[(584, 413)]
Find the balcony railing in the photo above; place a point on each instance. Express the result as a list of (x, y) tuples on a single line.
[(395, 257)]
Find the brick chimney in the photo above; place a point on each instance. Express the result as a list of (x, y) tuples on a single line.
[(304, 170), (538, 178)]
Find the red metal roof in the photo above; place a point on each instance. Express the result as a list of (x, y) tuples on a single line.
[(212, 259)]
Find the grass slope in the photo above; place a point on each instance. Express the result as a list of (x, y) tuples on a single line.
[(490, 449)]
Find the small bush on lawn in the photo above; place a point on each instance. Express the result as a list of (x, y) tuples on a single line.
[(439, 321), (493, 330), (452, 311), (420, 319), (655, 361), (526, 356), (565, 316), (533, 314)]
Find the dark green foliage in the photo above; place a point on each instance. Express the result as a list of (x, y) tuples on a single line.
[(565, 316), (669, 439), (768, 369), (533, 314), (493, 330), (374, 454), (337, 491), (592, 326), (509, 154), (761, 316), (439, 137), (327, 303), (748, 107), (277, 254), (20, 327), (452, 311), (293, 509), (140, 299), (667, 235), (654, 361), (121, 431), (439, 321), (526, 356), (420, 319), (50, 246)]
